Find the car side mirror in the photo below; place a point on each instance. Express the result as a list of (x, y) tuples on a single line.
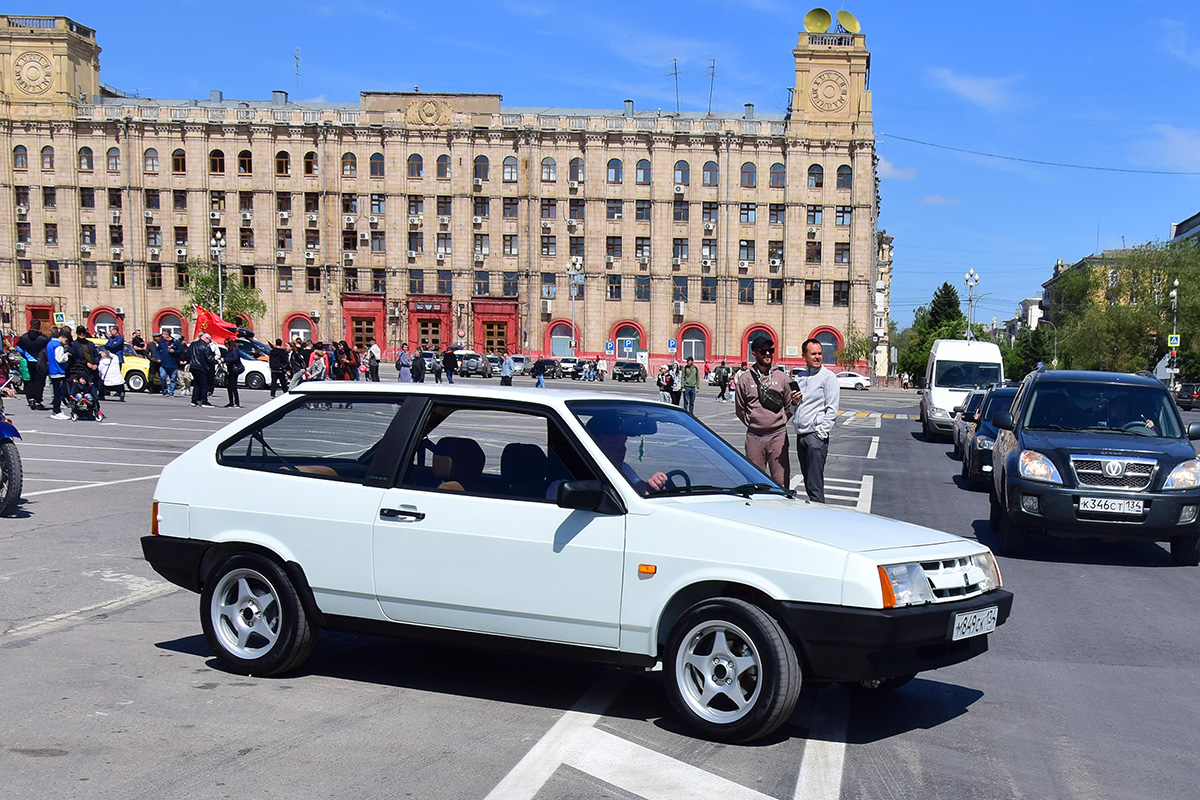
[(969, 417), (1193, 431), (1003, 420), (586, 496), (958, 409)]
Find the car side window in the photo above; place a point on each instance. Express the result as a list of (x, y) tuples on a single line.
[(492, 452), (334, 441)]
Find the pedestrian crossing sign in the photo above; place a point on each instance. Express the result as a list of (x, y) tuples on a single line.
[(1173, 340), (60, 318)]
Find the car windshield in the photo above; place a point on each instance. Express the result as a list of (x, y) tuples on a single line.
[(965, 374), (645, 439), (1106, 408)]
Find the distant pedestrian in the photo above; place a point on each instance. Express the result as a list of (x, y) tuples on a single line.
[(449, 364), (815, 417), (664, 381), (418, 367), (404, 364), (110, 375), (203, 367), (31, 346), (437, 366), (722, 382), (764, 402), (691, 385), (278, 362), (233, 370), (57, 357), (507, 368), (539, 373), (374, 356)]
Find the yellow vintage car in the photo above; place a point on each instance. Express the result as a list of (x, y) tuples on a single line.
[(135, 369)]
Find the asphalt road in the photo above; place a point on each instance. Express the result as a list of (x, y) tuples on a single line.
[(1090, 691)]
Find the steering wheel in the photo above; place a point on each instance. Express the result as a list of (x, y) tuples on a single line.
[(1137, 423), (687, 480)]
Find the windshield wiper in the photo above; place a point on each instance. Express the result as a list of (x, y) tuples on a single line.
[(747, 489), (744, 490)]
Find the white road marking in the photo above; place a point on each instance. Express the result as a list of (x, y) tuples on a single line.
[(97, 463), (865, 494), (139, 589), (825, 751), (77, 436), (89, 486), (872, 451), (25, 444)]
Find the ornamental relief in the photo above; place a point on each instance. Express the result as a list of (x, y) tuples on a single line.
[(428, 111), (32, 73)]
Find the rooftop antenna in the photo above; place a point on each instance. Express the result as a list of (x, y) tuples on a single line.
[(712, 77), (675, 71), (297, 57)]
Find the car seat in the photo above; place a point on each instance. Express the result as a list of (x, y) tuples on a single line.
[(523, 470), (458, 463)]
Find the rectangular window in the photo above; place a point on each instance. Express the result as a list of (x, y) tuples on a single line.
[(416, 242), (445, 279), (577, 247), (812, 293), (87, 197), (114, 198), (379, 280), (53, 274), (747, 213), (87, 234), (679, 248), (444, 243), (549, 245), (549, 285), (708, 290), (641, 288), (445, 204), (153, 236), (482, 243), (813, 215), (90, 278), (246, 238), (249, 277), (416, 281), (613, 289), (512, 205), (312, 279), (284, 275), (774, 291), (416, 205), (708, 248), (154, 276), (812, 252), (216, 201), (350, 240), (182, 279), (118, 275), (746, 291), (679, 288), (181, 236), (483, 283), (614, 209), (841, 253), (378, 242), (612, 246), (577, 290), (283, 238), (641, 247), (843, 214), (21, 195), (245, 201), (745, 250), (312, 239), (25, 268), (776, 213), (641, 209), (24, 232), (481, 207), (510, 284), (510, 244), (549, 208), (312, 202), (350, 279), (775, 249), (680, 210), (575, 209), (841, 293), (49, 197), (709, 211), (179, 199), (378, 203), (116, 235), (349, 204)]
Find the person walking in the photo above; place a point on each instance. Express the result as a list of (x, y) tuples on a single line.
[(691, 385), (374, 356), (418, 367), (820, 396), (110, 374), (166, 352), (764, 402), (722, 382), (663, 382), (437, 365), (277, 360), (233, 370), (404, 364), (449, 364), (203, 367), (539, 373), (676, 384), (57, 356), (507, 368), (31, 346)]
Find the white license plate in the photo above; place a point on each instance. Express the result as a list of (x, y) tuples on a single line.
[(975, 623), (1110, 505)]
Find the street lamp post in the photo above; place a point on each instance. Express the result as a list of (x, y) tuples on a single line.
[(972, 279), (217, 248), (1055, 327), (1174, 329), (574, 277)]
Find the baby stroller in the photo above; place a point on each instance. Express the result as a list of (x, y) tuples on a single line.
[(81, 397)]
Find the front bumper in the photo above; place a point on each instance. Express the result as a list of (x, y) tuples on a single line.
[(1058, 512), (940, 425), (856, 644)]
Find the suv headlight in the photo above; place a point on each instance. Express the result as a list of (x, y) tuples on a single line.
[(1184, 476), (904, 585), (983, 442), (1036, 467), (986, 562), (940, 413)]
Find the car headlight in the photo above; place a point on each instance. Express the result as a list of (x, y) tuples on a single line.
[(986, 562), (940, 413), (1036, 467), (1184, 476), (984, 442), (904, 585)]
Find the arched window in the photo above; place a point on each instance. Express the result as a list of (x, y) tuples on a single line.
[(615, 171), (749, 175), (829, 346), (245, 163), (20, 157), (86, 162), (628, 342), (300, 328), (778, 176), (683, 173), (416, 166), (560, 340), (443, 166), (377, 165), (283, 163), (349, 165), (310, 163), (711, 173), (482, 168), (844, 176), (549, 169), (170, 324), (104, 324), (641, 173), (114, 159), (694, 345), (47, 157), (179, 162), (510, 168), (216, 162), (816, 177), (150, 160), (575, 172)]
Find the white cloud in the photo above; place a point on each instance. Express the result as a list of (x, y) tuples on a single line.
[(1178, 42), (889, 170), (1176, 149), (939, 200), (992, 94)]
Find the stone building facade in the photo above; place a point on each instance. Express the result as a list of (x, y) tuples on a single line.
[(443, 218)]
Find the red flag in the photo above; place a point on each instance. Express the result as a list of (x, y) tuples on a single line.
[(210, 323)]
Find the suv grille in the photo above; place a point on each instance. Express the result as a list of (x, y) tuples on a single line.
[(953, 578), (1113, 473)]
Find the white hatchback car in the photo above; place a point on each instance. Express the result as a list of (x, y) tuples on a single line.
[(853, 380), (579, 523)]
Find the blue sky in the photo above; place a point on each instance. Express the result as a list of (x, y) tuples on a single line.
[(1100, 84)]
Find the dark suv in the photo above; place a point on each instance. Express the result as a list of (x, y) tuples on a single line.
[(1096, 454), (1188, 396), (628, 371), (977, 448)]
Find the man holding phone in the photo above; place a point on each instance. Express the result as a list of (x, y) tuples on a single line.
[(814, 418), (763, 402)]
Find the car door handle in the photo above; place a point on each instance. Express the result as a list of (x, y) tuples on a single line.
[(403, 511)]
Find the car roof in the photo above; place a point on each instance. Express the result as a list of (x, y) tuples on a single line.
[(534, 396), (1094, 376)]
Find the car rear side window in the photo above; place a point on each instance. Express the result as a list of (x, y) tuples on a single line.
[(337, 440)]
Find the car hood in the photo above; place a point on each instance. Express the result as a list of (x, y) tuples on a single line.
[(840, 528), (1115, 444)]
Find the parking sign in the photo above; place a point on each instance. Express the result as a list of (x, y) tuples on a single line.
[(609, 347), (671, 345)]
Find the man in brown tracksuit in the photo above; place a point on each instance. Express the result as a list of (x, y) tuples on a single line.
[(766, 430)]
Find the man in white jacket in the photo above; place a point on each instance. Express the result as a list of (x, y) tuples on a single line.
[(814, 418)]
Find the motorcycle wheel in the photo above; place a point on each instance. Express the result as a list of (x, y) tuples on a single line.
[(10, 477)]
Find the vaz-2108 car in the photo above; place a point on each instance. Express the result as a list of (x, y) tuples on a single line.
[(616, 530)]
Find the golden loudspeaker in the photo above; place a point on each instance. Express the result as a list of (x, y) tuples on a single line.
[(817, 20), (849, 22)]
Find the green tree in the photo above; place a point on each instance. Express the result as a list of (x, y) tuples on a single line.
[(857, 347), (242, 303), (945, 307)]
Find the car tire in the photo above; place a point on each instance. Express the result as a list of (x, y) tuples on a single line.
[(255, 380), (135, 381), (732, 673), (1185, 550), (11, 477), (253, 618), (877, 684), (858, 387), (1011, 537)]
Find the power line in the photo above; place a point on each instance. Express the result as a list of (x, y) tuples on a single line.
[(1034, 160)]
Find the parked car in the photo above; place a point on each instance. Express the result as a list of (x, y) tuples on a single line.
[(853, 380), (551, 366), (1099, 454), (570, 367), (964, 420), (376, 525), (495, 363), (135, 369), (977, 449), (521, 363), (1187, 397), (256, 374), (472, 363), (628, 371)]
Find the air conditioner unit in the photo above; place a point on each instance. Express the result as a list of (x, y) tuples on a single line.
[(181, 251), (441, 257), (547, 306), (211, 214), (706, 262), (148, 214), (314, 313), (476, 220), (349, 219), (572, 222), (348, 256), (284, 216), (677, 308), (477, 183), (116, 251), (412, 253), (364, 236), (609, 259), (443, 220), (22, 210), (644, 260), (83, 248), (814, 230), (678, 188), (546, 224), (373, 220), (676, 261), (20, 247), (281, 253), (479, 258), (312, 217), (86, 310), (710, 226), (247, 216), (618, 215), (310, 255), (743, 265), (120, 312), (775, 262), (414, 220), (572, 184), (116, 216), (154, 251)]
